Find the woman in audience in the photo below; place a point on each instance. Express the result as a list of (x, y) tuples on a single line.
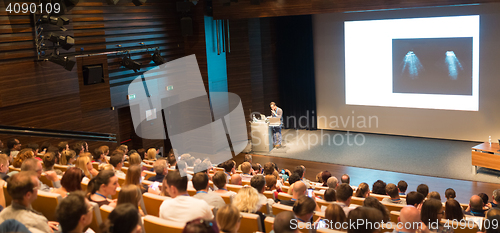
[(172, 161), (71, 181), (485, 198), (248, 201), (369, 217), (228, 219), (363, 190), (375, 203), (135, 159), (21, 156), (434, 195), (330, 195), (83, 162), (201, 226), (68, 157), (324, 177), (318, 177), (450, 194), (123, 219), (133, 177), (49, 159), (431, 213), (453, 210), (335, 214), (102, 186), (304, 209), (151, 154), (271, 185), (106, 166), (130, 194)]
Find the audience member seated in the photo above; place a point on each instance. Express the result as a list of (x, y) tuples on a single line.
[(304, 209), (117, 161), (409, 217), (74, 213), (259, 183), (182, 168), (318, 177), (496, 199), (475, 206), (62, 146), (344, 195), (257, 168), (379, 187), (70, 182), (325, 175), (68, 157), (485, 199), (228, 219), (271, 185), (434, 195), (123, 219), (135, 159), (236, 179), (301, 171), (23, 189), (130, 194), (345, 179), (220, 181), (374, 203), (270, 169), (330, 195), (34, 165), (247, 200), (363, 190), (368, 215), (182, 208), (423, 189), (34, 147), (12, 225), (201, 226), (83, 162), (4, 166), (450, 194), (492, 216), (453, 210), (431, 213), (282, 223), (101, 187), (151, 154), (78, 148), (248, 158), (299, 190), (133, 177), (13, 148), (49, 159), (200, 183), (393, 193), (161, 168), (246, 169), (335, 215), (45, 147), (402, 187), (23, 155), (415, 199), (291, 180), (172, 161)]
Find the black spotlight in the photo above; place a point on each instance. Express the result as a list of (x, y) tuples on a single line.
[(59, 21), (138, 2), (131, 64), (112, 2), (157, 58), (66, 42), (62, 61)]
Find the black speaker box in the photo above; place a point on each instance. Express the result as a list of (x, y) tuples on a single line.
[(187, 26), (92, 74)]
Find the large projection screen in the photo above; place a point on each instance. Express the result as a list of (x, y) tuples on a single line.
[(429, 72)]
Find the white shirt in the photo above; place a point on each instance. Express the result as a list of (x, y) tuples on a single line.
[(184, 209)]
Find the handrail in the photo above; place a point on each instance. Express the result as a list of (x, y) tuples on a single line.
[(78, 135)]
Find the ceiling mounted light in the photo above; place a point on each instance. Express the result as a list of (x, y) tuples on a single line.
[(157, 58), (128, 63), (62, 61)]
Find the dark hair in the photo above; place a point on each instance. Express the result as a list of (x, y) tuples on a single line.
[(363, 188), (257, 167), (200, 181), (344, 191), (70, 210), (219, 179), (324, 176), (129, 194), (19, 184), (78, 148), (450, 193), (123, 219), (335, 214), (268, 168), (484, 197), (402, 186), (345, 179), (175, 179), (282, 222), (414, 198), (72, 179), (228, 165), (453, 210), (368, 214), (299, 170), (33, 146), (258, 182), (201, 226), (392, 190), (116, 159), (11, 143), (375, 203), (330, 195), (102, 178), (304, 205), (45, 145), (492, 228), (434, 195), (423, 189), (62, 146), (293, 178), (429, 212), (379, 187)]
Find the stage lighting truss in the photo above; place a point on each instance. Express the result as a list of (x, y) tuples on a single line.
[(63, 61), (43, 21), (128, 63)]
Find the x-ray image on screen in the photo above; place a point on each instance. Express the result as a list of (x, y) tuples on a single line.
[(432, 66)]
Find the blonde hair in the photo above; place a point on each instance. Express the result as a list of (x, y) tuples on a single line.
[(247, 200), (227, 218), (87, 154), (81, 163), (134, 159), (151, 154), (66, 156), (133, 175), (23, 155), (106, 166)]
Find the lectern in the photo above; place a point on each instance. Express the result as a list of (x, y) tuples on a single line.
[(262, 136)]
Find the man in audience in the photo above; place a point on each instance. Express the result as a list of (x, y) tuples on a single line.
[(117, 161), (282, 223), (4, 166), (236, 179), (475, 206), (228, 168), (415, 199), (248, 158), (409, 220), (182, 208), (220, 181), (182, 168), (345, 179), (23, 189), (200, 183), (34, 165), (434, 195), (291, 180), (423, 189), (13, 147), (402, 187), (332, 182), (246, 169), (161, 169), (299, 190), (496, 199), (379, 187), (344, 195), (259, 183), (392, 191), (74, 213), (301, 171)]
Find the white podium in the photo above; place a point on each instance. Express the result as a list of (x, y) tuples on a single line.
[(262, 136)]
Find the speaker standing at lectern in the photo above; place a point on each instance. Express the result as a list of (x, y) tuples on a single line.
[(278, 113)]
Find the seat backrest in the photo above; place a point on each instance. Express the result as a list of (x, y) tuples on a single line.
[(285, 188), (278, 208), (85, 183), (124, 169), (148, 174), (379, 197), (121, 180), (96, 218), (394, 216), (63, 168), (12, 168), (227, 199), (8, 199), (191, 192), (268, 223), (155, 224), (46, 204), (233, 187), (269, 194), (153, 202), (46, 181), (265, 209), (116, 194), (105, 211), (393, 207), (95, 165), (245, 182), (284, 196), (250, 223), (357, 200), (320, 194)]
